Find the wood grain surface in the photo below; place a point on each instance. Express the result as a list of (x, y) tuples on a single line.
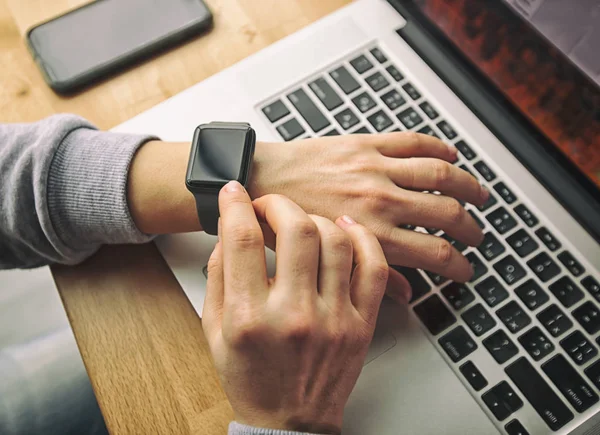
[(140, 338)]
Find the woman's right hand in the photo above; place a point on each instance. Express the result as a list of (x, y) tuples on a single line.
[(289, 349)]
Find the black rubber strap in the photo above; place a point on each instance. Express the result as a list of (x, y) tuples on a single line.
[(207, 205)]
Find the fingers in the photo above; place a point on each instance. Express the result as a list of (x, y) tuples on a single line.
[(297, 242), (422, 251), (438, 211), (212, 311), (335, 263), (371, 271), (398, 288), (436, 175), (411, 144), (244, 264)]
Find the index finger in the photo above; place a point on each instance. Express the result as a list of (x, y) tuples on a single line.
[(370, 275), (244, 264)]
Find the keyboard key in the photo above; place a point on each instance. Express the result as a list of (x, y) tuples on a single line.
[(436, 279), (593, 372), (572, 386), (378, 54), (290, 129), (555, 322), (457, 343), (571, 263), (377, 81), (325, 93), (332, 132), (535, 389), (532, 295), (588, 316), (592, 286), (543, 266), (308, 110), (379, 120), (502, 400), (500, 346), (536, 343), (393, 99), (484, 170), (465, 150), (491, 201), (346, 118), (409, 118), (566, 291), (491, 291), (476, 219), (447, 129), (473, 376), (417, 282), (459, 246), (361, 64), (364, 102), (522, 243), (479, 269), (514, 427), (344, 80), (434, 314), (275, 111), (505, 193), (362, 130), (578, 347), (501, 220), (513, 316), (458, 295), (510, 270), (548, 239), (429, 110), (478, 320), (393, 71), (526, 216), (428, 130), (491, 247), (411, 91)]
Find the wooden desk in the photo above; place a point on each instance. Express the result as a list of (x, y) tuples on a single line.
[(140, 338)]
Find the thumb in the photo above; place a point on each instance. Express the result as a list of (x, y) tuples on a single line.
[(398, 288), (212, 312)]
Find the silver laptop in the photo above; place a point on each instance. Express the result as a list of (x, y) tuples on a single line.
[(514, 351)]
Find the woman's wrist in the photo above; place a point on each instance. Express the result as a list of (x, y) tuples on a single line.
[(158, 200)]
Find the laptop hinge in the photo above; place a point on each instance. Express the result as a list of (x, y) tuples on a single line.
[(541, 157)]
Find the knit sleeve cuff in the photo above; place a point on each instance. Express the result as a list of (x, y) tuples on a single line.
[(241, 429), (87, 191)]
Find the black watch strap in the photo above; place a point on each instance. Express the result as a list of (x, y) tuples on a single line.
[(207, 205)]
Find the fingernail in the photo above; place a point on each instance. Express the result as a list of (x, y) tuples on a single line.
[(485, 194), (348, 220), (453, 151), (233, 186)]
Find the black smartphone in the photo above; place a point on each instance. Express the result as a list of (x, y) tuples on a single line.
[(104, 36)]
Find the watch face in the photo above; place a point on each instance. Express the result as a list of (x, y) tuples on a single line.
[(218, 156)]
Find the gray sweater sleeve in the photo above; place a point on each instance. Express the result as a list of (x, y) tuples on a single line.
[(63, 191), (241, 429)]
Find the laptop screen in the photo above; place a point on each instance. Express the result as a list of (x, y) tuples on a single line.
[(549, 71)]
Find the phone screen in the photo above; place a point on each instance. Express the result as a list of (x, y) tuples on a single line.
[(105, 30)]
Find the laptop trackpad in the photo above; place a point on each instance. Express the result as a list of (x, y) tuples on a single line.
[(406, 387)]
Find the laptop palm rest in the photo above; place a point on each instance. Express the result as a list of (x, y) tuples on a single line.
[(406, 380)]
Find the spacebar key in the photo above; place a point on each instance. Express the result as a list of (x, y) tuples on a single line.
[(543, 399)]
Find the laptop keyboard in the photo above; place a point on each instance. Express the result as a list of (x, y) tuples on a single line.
[(531, 304)]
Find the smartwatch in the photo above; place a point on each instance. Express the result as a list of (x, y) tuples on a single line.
[(220, 152)]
